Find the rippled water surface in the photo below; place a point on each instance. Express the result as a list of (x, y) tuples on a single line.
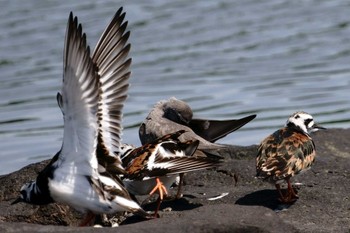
[(227, 59)]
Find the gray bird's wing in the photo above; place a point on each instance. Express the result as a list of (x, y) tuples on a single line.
[(213, 130)]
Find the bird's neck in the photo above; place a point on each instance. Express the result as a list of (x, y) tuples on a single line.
[(40, 193), (293, 126)]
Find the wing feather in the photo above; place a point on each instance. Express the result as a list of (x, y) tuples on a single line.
[(79, 99), (179, 165), (166, 156), (213, 130), (111, 56)]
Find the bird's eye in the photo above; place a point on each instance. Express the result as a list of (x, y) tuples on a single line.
[(307, 121)]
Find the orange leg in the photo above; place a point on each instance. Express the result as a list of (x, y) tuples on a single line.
[(87, 220), (282, 197), (290, 196), (159, 201), (162, 190), (291, 192)]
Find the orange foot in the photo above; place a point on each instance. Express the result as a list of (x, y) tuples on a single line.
[(287, 200), (291, 193), (290, 197), (161, 189)]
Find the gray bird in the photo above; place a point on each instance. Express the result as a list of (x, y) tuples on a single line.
[(168, 116)]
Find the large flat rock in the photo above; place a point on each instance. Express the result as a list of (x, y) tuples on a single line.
[(250, 206)]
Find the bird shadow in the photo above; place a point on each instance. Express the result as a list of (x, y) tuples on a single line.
[(267, 198), (173, 205)]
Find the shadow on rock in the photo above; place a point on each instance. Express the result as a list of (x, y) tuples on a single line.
[(134, 219), (267, 198), (175, 205)]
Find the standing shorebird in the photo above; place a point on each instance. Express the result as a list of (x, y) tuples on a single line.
[(154, 166), (287, 152), (84, 173)]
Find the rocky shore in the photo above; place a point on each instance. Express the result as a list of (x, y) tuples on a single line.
[(250, 205)]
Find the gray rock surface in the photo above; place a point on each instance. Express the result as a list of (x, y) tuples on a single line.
[(250, 206)]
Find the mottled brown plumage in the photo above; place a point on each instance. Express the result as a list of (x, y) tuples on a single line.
[(284, 154), (287, 152)]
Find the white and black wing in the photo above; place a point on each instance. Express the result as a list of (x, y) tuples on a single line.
[(111, 56), (170, 159), (78, 100), (166, 156)]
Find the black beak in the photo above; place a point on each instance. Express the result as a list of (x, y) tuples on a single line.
[(316, 126), (17, 201)]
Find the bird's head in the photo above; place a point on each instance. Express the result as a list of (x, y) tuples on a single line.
[(25, 193), (177, 111), (304, 122)]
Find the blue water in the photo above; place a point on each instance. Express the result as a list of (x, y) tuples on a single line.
[(227, 59)]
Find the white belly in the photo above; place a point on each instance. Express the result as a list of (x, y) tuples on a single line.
[(76, 191), (144, 187)]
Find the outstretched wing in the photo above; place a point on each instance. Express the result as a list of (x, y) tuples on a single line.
[(78, 100), (111, 56), (213, 130)]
